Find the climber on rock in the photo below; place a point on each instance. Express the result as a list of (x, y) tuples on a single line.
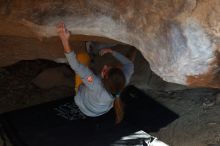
[(96, 95)]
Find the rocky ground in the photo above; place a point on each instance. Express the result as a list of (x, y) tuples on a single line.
[(17, 87), (28, 83), (199, 122)]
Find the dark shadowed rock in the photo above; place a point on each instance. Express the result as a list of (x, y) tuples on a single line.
[(55, 77)]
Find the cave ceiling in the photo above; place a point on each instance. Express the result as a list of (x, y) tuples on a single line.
[(179, 38)]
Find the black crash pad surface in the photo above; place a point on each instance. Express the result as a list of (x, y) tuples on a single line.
[(44, 125)]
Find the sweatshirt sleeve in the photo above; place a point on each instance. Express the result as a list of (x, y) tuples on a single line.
[(128, 66), (87, 76)]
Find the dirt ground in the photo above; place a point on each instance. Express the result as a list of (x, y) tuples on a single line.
[(199, 108)]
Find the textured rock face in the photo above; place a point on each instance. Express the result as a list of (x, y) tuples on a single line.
[(180, 39)]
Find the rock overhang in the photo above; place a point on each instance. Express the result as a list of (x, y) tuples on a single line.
[(179, 39)]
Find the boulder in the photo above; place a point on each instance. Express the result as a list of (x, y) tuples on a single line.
[(179, 39), (55, 77)]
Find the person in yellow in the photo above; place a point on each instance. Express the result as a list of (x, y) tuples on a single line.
[(84, 59)]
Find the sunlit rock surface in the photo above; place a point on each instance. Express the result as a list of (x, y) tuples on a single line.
[(180, 39)]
